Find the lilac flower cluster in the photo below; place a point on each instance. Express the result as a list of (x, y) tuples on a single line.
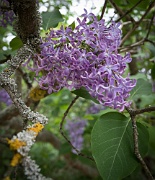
[(86, 57), (6, 16), (4, 97), (76, 130)]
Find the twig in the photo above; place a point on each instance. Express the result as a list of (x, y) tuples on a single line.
[(150, 24), (25, 78), (141, 42), (140, 111), (129, 22), (18, 81), (137, 23), (127, 12), (148, 40), (120, 12), (133, 114), (63, 134), (103, 9)]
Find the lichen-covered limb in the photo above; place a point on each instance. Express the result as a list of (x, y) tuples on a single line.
[(22, 54)]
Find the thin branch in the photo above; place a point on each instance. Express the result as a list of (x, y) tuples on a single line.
[(18, 81), (127, 12), (148, 40), (103, 9), (136, 145), (25, 78), (129, 22), (63, 134), (137, 23), (139, 43), (150, 24), (120, 12), (140, 111)]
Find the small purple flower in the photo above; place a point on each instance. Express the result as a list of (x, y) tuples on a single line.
[(95, 108), (6, 17), (5, 98), (76, 130)]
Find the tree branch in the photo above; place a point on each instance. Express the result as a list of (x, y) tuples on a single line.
[(120, 12), (150, 24), (103, 9), (137, 23), (140, 111), (148, 40), (133, 114), (127, 12), (25, 78), (28, 21), (126, 48), (7, 114)]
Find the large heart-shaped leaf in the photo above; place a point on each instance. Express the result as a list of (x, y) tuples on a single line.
[(112, 145)]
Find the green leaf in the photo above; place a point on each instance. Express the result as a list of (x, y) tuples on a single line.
[(112, 145), (72, 25), (143, 5), (152, 135), (51, 19), (65, 148), (142, 87), (82, 92), (16, 43), (120, 3), (153, 72), (139, 76)]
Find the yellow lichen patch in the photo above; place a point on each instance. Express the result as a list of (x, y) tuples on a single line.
[(36, 93), (16, 144), (36, 128), (16, 159), (7, 178)]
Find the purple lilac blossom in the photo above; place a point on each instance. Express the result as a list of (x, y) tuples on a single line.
[(5, 98), (6, 16), (86, 57), (76, 130), (95, 108)]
